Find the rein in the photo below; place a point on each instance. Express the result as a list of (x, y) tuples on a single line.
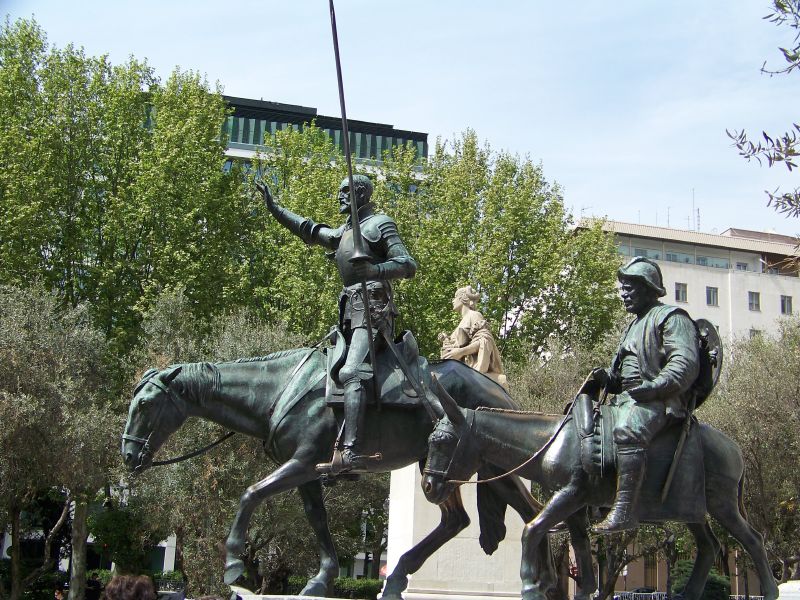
[(172, 461), (528, 461)]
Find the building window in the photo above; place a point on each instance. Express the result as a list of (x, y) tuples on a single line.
[(741, 266), (786, 305), (680, 257), (712, 296), (713, 261), (680, 292), (651, 253), (754, 300), (754, 333)]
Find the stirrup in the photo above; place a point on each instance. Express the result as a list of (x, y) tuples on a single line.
[(344, 461)]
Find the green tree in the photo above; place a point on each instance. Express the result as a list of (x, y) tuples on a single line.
[(114, 188), (782, 148), (57, 431), (762, 381)]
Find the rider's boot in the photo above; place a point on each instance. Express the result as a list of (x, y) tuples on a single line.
[(630, 472), (349, 457)]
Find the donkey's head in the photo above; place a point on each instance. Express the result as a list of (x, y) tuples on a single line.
[(451, 455)]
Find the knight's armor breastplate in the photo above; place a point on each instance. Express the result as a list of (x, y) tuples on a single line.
[(344, 253)]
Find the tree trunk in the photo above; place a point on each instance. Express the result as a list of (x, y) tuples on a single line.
[(80, 533), (726, 568), (375, 566), (16, 574)]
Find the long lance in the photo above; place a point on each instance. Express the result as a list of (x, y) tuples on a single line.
[(358, 242)]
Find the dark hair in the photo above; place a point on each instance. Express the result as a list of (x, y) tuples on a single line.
[(130, 587)]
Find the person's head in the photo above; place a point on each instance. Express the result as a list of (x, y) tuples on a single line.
[(93, 576), (130, 587), (641, 285), (465, 296), (58, 594), (362, 189)]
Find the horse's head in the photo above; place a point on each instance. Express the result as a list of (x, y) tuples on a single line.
[(451, 456), (156, 411)]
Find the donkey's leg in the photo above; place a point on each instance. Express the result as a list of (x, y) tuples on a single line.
[(454, 519), (317, 516), (290, 475), (578, 524), (563, 504), (518, 496), (707, 551), (725, 509)]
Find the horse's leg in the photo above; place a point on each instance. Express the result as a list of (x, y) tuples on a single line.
[(578, 524), (707, 551), (725, 509), (518, 496), (290, 474), (454, 519), (562, 505), (311, 493)]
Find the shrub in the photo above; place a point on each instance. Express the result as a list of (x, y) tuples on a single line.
[(718, 587), (344, 587)]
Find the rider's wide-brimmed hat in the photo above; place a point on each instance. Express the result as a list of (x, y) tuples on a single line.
[(646, 271)]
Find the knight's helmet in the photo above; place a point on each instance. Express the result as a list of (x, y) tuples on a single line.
[(644, 270)]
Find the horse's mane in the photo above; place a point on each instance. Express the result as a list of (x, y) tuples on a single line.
[(201, 380), (273, 356)]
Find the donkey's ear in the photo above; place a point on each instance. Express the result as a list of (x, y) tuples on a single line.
[(449, 405), (171, 374)]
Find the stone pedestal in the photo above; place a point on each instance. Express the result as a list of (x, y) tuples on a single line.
[(459, 570)]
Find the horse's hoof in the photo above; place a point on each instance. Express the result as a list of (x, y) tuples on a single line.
[(233, 570), (393, 588), (314, 588)]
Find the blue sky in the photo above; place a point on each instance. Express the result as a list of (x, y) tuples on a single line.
[(624, 103)]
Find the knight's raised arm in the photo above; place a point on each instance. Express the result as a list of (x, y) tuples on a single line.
[(306, 229)]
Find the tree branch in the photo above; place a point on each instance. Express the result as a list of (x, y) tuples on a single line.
[(48, 544)]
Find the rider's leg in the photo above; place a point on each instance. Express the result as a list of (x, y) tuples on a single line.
[(630, 473), (637, 425), (351, 376)]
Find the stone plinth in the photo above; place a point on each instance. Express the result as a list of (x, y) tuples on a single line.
[(459, 570)]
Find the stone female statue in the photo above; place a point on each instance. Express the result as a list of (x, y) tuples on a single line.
[(472, 342)]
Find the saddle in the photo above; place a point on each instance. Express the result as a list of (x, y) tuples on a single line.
[(594, 426), (390, 384)]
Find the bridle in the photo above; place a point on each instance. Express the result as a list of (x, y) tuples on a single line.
[(145, 442), (464, 437)]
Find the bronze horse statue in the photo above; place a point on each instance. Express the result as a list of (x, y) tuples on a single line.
[(242, 396), (466, 439)]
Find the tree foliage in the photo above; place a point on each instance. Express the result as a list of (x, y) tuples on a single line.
[(113, 188), (762, 381), (718, 587), (781, 148), (57, 431)]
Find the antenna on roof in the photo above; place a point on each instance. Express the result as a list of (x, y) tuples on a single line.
[(698, 219), (695, 227)]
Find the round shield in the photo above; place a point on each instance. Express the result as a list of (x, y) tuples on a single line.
[(711, 355)]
